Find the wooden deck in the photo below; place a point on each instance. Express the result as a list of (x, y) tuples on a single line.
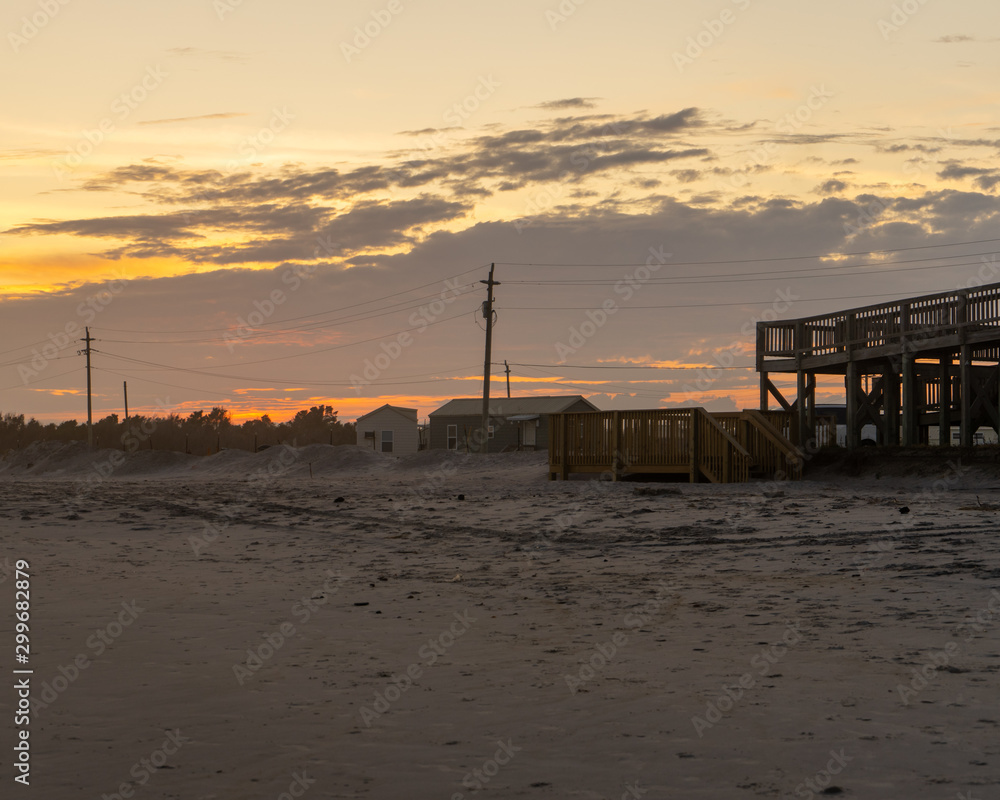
[(721, 448), (909, 365), (931, 325)]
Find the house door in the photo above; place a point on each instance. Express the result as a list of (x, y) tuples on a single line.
[(528, 433)]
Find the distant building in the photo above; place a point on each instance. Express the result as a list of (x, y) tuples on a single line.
[(389, 429), (870, 433), (517, 423)]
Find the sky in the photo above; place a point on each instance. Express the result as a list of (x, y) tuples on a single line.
[(269, 206)]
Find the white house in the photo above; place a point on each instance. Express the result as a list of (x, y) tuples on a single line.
[(389, 429)]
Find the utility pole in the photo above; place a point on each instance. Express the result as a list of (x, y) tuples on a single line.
[(488, 316), (90, 407), (127, 429), (507, 367)]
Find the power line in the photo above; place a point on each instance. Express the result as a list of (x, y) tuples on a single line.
[(625, 366), (161, 383), (292, 381), (757, 277), (755, 260), (304, 316), (24, 385), (701, 305), (620, 389), (26, 346), (286, 358), (312, 326)]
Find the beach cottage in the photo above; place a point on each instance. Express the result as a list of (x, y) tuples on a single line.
[(516, 423), (389, 429)]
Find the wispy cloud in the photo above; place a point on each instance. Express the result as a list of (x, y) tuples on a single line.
[(220, 115), (223, 55), (959, 38)]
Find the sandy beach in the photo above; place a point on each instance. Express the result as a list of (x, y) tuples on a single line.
[(329, 622)]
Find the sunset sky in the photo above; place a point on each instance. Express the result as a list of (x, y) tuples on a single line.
[(268, 206)]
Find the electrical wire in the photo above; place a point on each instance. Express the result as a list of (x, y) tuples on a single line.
[(304, 316), (756, 260), (620, 389), (286, 358), (24, 385), (313, 326), (700, 305), (292, 381), (626, 366), (753, 277)]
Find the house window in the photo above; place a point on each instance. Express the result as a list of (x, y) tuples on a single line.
[(386, 441), (453, 437)]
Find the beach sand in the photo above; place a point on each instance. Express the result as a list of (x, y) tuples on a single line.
[(230, 627)]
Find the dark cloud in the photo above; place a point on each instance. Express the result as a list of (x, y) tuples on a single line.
[(831, 186), (954, 170), (569, 102), (987, 182), (244, 216), (163, 226), (305, 234), (686, 175), (701, 229), (669, 123), (561, 149)]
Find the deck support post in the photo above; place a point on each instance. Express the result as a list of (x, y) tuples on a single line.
[(811, 410), (694, 445), (564, 454), (800, 429), (852, 385), (775, 392), (997, 426), (890, 404), (800, 385), (966, 391), (761, 343), (944, 402), (909, 401), (615, 425)]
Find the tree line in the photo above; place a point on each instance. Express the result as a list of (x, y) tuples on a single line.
[(199, 433)]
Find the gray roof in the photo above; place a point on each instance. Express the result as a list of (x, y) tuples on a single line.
[(409, 413), (509, 406)]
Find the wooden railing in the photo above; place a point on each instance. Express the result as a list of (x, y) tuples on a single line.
[(687, 440), (718, 455), (785, 423), (767, 436), (652, 438), (956, 313)]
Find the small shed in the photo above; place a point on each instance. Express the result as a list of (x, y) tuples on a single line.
[(516, 423), (389, 429)]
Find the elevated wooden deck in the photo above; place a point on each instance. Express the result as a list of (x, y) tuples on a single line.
[(721, 448), (908, 365), (930, 326)]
